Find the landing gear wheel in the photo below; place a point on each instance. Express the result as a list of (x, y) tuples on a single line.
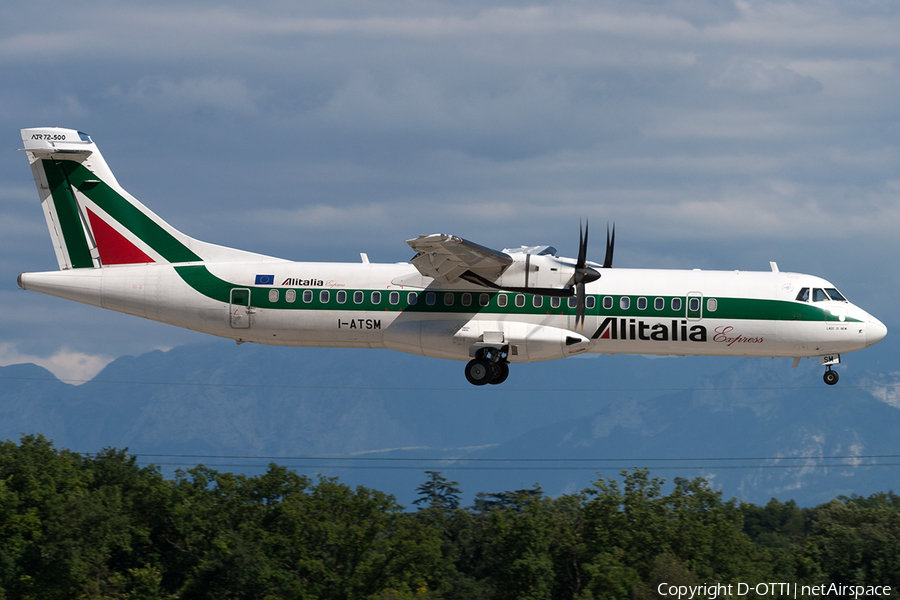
[(479, 371), (831, 377), (501, 372)]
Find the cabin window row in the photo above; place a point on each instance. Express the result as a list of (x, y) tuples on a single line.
[(676, 304), (466, 298)]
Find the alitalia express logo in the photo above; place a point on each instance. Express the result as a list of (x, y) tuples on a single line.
[(622, 328)]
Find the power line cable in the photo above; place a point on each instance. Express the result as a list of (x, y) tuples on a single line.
[(564, 464), (475, 459), (532, 468), (442, 389)]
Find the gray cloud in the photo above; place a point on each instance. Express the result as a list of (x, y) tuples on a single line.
[(716, 134)]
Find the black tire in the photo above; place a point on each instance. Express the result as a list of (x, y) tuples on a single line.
[(501, 372), (479, 371), (831, 377)]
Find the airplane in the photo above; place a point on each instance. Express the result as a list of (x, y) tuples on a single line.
[(455, 299)]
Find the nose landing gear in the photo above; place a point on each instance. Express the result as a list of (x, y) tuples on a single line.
[(830, 377)]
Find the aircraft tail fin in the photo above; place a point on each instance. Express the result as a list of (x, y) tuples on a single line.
[(93, 221)]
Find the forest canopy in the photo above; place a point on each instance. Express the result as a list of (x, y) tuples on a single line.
[(101, 526)]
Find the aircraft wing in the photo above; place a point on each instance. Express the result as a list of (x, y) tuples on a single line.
[(446, 257)]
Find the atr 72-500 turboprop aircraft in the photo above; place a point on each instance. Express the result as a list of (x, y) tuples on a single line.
[(457, 300)]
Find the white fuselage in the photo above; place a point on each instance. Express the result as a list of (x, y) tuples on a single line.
[(363, 305)]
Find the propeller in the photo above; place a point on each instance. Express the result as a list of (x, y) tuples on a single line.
[(585, 274), (610, 243)]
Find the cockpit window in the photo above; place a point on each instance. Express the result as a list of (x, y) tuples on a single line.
[(835, 295), (819, 295), (803, 296)]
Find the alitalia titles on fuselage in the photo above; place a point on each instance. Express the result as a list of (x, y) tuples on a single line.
[(624, 328), (296, 281)]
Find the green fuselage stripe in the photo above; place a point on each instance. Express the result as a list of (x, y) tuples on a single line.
[(199, 278)]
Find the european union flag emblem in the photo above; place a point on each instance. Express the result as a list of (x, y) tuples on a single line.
[(265, 280)]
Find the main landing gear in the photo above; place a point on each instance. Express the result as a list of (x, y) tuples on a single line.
[(831, 377), (488, 366)]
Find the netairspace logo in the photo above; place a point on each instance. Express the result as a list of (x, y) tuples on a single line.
[(774, 590)]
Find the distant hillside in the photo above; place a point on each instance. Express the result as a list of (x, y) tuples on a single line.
[(221, 399), (728, 422)]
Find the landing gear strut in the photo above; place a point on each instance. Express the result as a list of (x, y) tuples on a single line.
[(831, 377), (488, 366)]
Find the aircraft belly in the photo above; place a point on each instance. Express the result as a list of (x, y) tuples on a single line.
[(451, 338), (340, 329)]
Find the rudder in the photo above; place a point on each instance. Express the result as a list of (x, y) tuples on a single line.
[(93, 221)]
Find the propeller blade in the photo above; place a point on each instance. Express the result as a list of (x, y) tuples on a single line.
[(582, 246), (610, 245), (579, 310), (583, 274)]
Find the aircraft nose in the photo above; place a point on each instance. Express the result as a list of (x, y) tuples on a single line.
[(875, 331)]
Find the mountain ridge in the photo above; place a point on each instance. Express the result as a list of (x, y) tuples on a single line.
[(220, 400)]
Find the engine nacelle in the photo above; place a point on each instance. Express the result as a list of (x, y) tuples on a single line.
[(536, 271), (459, 340)]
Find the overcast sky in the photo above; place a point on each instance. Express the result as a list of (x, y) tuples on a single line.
[(715, 135)]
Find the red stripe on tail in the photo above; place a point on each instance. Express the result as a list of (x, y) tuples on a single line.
[(114, 248)]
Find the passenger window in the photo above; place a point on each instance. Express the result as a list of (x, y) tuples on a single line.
[(573, 301), (501, 299), (659, 304), (484, 299), (273, 295), (430, 298), (642, 304), (555, 302), (376, 297), (676, 304), (520, 300), (607, 302), (448, 299), (393, 298), (590, 302), (467, 299), (819, 295), (803, 296), (307, 295), (624, 302), (341, 296), (358, 297), (537, 301), (324, 296), (712, 304), (290, 295), (412, 298), (694, 304)]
